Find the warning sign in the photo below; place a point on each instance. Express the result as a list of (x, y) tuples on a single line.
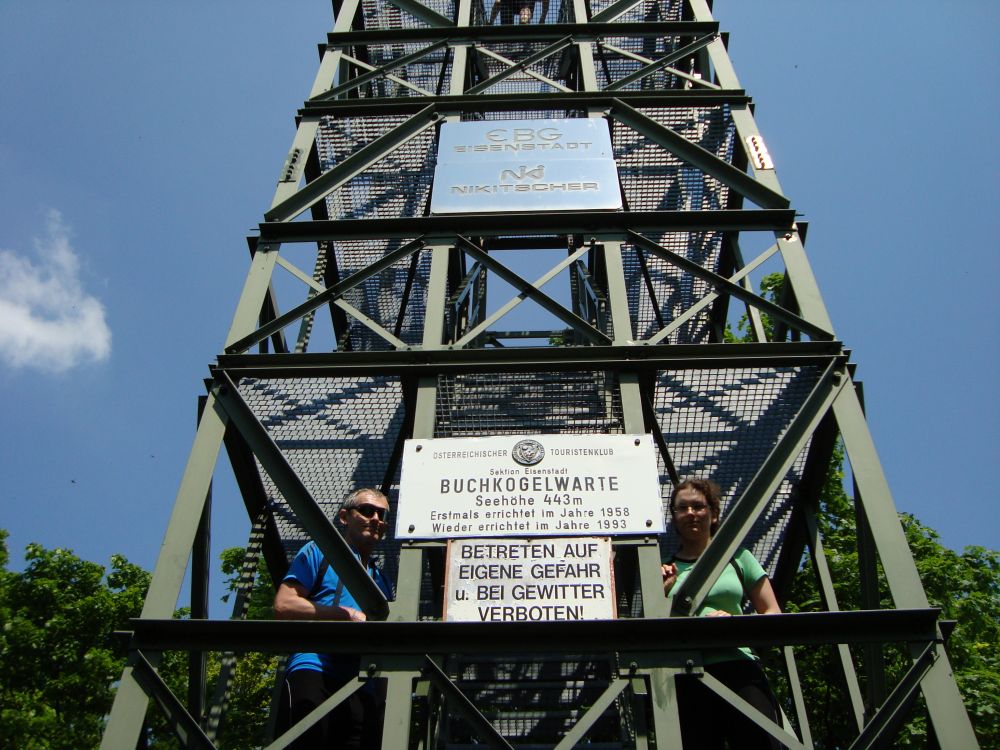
[(529, 580)]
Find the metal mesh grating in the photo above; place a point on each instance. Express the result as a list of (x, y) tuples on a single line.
[(336, 433), (532, 700), (653, 179), (558, 11), (658, 292), (648, 10), (381, 296), (430, 73), (398, 185), (520, 82), (380, 14), (723, 424)]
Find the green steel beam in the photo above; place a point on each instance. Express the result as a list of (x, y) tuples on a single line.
[(431, 362), (944, 702), (798, 698), (368, 595), (403, 673), (801, 281), (698, 157), (506, 224), (201, 563), (881, 730), (640, 699), (181, 722), (422, 13), (526, 288), (251, 488), (373, 74), (307, 721), (687, 77), (828, 595), (626, 636), (506, 308), (593, 713), (313, 192), (326, 295), (740, 277), (661, 63), (612, 11), (458, 701), (255, 291), (454, 104), (787, 739), (536, 32), (370, 324), (516, 67), (870, 597), (662, 677), (720, 283)]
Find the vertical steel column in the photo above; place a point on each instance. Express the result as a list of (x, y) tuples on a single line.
[(403, 672), (944, 702), (201, 562)]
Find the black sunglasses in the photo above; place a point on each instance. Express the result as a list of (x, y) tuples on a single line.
[(368, 510)]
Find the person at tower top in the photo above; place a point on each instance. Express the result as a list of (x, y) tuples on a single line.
[(312, 590), (708, 721), (523, 9)]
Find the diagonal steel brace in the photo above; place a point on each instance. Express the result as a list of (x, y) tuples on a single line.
[(367, 593), (701, 158)]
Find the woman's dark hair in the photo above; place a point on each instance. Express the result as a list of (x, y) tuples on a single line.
[(712, 493)]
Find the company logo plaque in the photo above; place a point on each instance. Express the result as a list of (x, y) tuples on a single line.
[(525, 165)]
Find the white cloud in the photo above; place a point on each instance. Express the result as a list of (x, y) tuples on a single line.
[(47, 320)]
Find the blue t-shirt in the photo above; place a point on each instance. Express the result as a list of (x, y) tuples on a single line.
[(330, 592), (727, 594)]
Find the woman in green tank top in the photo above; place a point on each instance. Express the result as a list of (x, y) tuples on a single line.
[(708, 721)]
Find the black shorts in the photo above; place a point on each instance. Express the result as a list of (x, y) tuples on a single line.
[(355, 724), (708, 722)]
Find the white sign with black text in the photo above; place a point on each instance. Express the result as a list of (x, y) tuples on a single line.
[(529, 485), (529, 580)]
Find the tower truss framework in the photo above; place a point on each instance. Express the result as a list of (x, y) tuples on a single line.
[(365, 320)]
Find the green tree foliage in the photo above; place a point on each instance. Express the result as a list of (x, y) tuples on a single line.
[(58, 656), (770, 289), (966, 586), (60, 660)]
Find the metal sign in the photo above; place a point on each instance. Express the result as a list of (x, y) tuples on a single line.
[(529, 580), (525, 165), (521, 485)]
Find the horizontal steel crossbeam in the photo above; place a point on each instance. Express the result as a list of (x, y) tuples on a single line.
[(595, 636), (537, 32), (426, 362), (456, 104), (555, 222)]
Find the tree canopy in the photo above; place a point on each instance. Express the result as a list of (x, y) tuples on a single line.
[(58, 655)]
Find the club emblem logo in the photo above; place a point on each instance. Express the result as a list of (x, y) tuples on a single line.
[(528, 452)]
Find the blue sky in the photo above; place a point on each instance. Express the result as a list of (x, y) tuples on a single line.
[(140, 142)]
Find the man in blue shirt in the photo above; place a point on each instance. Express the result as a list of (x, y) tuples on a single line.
[(313, 591)]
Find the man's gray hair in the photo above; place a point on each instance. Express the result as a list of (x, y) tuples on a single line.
[(356, 498)]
